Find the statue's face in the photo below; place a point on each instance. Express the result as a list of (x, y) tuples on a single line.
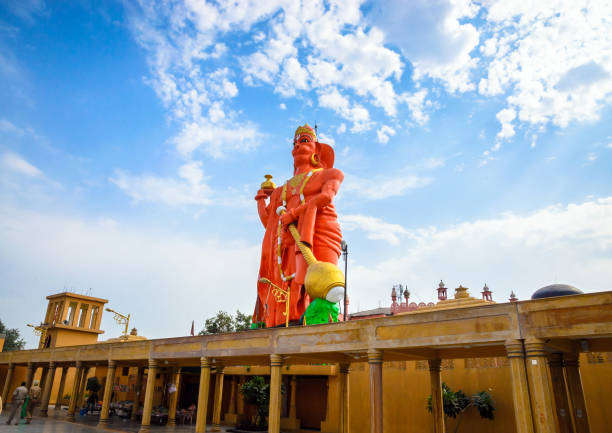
[(303, 146)]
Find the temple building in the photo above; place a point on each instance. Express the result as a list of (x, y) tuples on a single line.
[(546, 362)]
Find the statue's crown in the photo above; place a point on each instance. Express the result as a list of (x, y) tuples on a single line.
[(306, 129)]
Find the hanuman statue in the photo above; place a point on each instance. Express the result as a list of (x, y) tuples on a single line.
[(304, 203)]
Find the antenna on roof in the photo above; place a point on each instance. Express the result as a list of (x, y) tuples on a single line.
[(316, 130)]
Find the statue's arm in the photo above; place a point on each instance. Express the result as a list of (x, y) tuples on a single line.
[(331, 184), (262, 208)]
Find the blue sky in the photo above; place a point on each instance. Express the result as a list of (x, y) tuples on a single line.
[(474, 137)]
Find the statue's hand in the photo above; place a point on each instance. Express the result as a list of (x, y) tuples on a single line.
[(263, 194), (287, 218)]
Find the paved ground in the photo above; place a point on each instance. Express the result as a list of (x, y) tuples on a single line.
[(56, 423)]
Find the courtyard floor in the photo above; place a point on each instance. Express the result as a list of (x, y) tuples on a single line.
[(56, 423)]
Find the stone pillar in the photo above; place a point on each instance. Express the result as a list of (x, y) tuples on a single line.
[(81, 399), (43, 377), (520, 386), (173, 399), (343, 391), (74, 395), (136, 406), (539, 385), (276, 361), (292, 401), (576, 394), (231, 417), (202, 408), (7, 382), (145, 425), (108, 391), (437, 402), (60, 391), (375, 359), (46, 395), (29, 375), (240, 401), (218, 399), (555, 365)]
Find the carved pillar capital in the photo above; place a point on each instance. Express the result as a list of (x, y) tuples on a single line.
[(571, 360), (435, 364), (344, 368), (514, 349), (205, 362), (78, 364), (535, 348), (152, 363), (112, 363), (555, 360), (276, 360), (375, 356)]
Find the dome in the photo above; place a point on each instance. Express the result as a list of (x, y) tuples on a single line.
[(555, 290)]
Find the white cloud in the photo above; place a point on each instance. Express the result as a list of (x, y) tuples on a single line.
[(178, 38), (189, 189), (120, 262), (383, 133), (381, 187), (553, 60), (17, 164), (505, 117), (591, 157), (216, 138), (416, 104), (282, 106), (342, 129), (433, 37), (375, 228), (359, 115), (567, 244)]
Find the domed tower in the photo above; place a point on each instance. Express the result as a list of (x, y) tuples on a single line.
[(555, 290)]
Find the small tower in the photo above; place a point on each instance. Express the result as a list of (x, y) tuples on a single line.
[(513, 297), (486, 294), (393, 296), (406, 294), (441, 291), (72, 320)]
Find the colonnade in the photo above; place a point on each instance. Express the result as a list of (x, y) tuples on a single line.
[(546, 389)]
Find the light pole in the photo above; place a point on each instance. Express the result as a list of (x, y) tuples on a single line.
[(345, 254)]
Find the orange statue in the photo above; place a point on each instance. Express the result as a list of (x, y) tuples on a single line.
[(306, 201)]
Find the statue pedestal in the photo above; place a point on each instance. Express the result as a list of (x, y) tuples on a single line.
[(290, 423)]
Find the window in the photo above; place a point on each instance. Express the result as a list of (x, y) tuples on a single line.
[(82, 315), (71, 312), (125, 371), (94, 317)]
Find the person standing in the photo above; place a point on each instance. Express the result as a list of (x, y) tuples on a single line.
[(19, 395), (35, 393)]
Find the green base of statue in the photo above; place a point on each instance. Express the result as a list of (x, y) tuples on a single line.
[(321, 311)]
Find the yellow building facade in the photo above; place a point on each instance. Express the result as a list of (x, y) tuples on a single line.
[(546, 362)]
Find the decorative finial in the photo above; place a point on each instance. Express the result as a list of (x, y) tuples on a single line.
[(441, 285)]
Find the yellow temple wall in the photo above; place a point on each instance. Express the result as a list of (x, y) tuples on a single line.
[(405, 391)]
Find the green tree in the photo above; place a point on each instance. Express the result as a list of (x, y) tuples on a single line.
[(257, 392), (242, 322), (456, 403), (221, 323), (12, 338), (224, 322)]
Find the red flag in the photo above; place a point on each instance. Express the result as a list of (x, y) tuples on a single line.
[(192, 330)]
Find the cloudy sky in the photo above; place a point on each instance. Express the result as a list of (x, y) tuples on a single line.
[(475, 138)]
